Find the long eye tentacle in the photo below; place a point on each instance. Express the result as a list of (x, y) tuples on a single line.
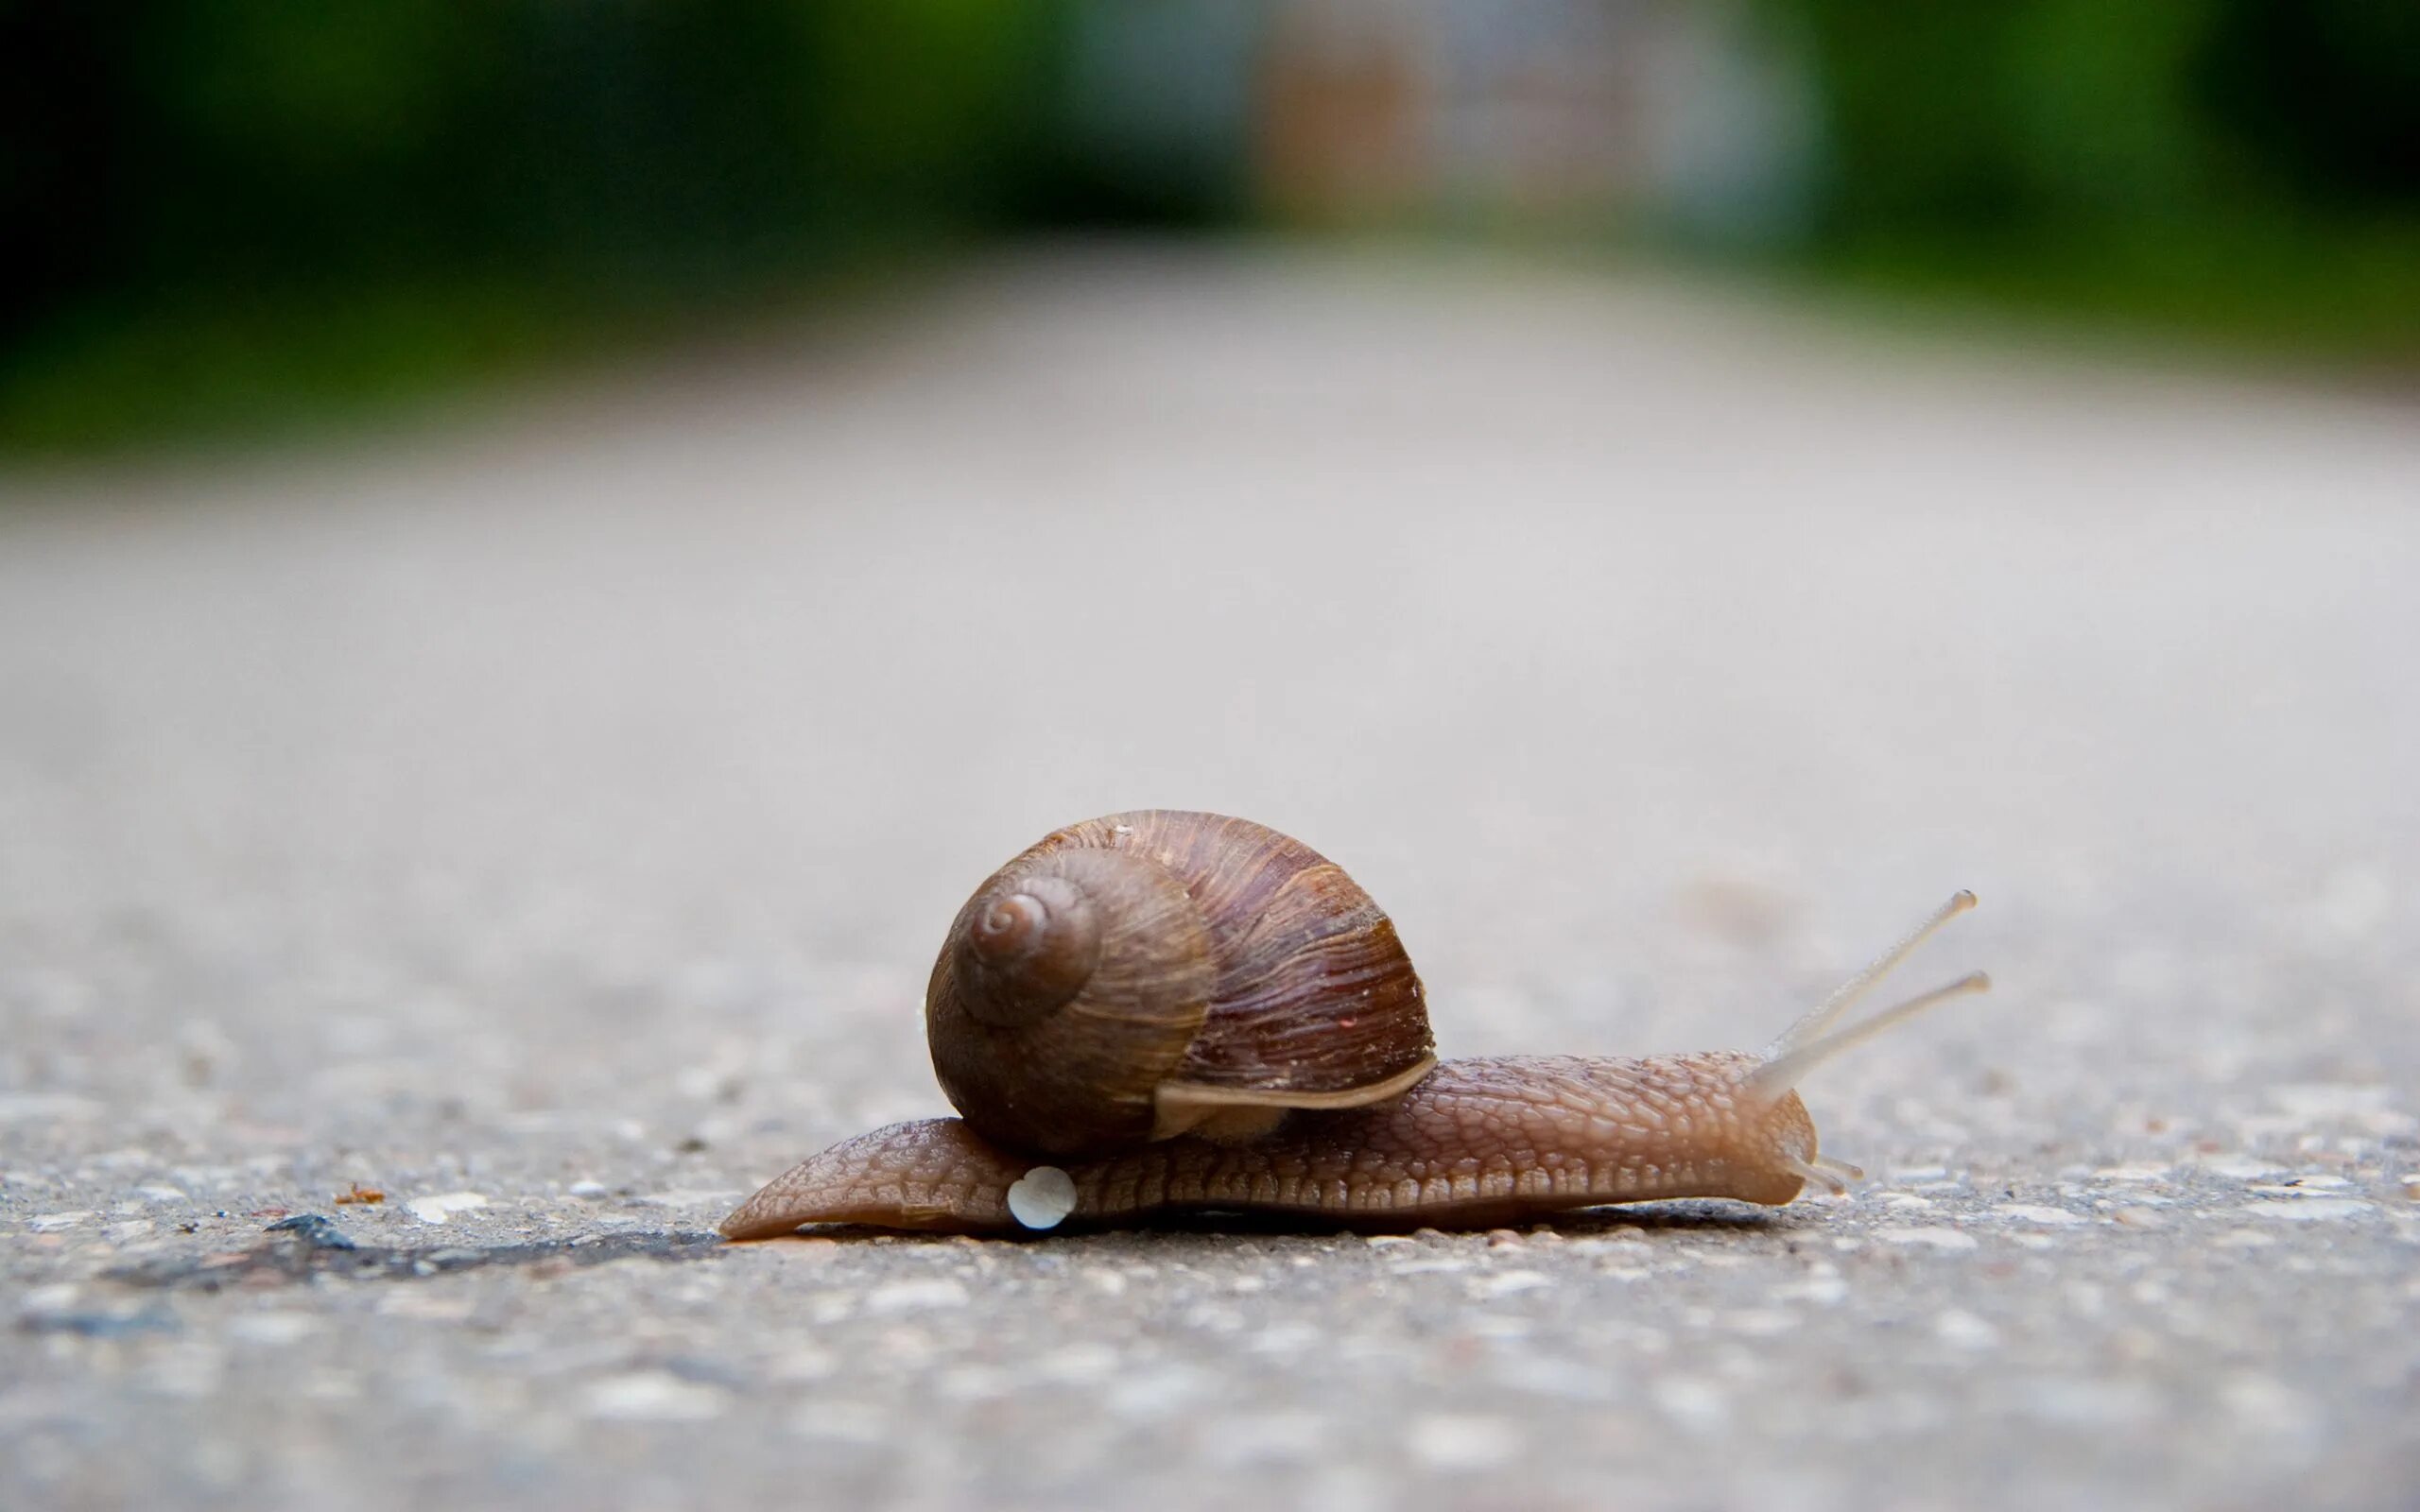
[(1821, 1017), (1812, 1040), (1782, 1072)]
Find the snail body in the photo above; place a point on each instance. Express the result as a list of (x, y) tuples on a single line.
[(1300, 1083)]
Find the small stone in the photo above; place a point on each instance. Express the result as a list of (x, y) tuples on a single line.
[(1156, 1394), (1427, 1265), (688, 1199), (1042, 1197), (442, 1206), (1510, 1283), (46, 1106), (273, 1329), (2309, 1209), (1964, 1328), (586, 1189), (2070, 1401), (1269, 1438), (915, 1297), (2268, 1405), (59, 1297), (2140, 1218), (2130, 1172), (2303, 1186), (1826, 1290), (1760, 1322), (1078, 1365), (1937, 1237), (845, 1422), (653, 1396), (1697, 1405), (2238, 1167), (2030, 1213), (51, 1223), (1461, 1443)]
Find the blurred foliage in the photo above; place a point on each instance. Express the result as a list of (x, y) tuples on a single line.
[(221, 210), (2247, 169), (225, 214)]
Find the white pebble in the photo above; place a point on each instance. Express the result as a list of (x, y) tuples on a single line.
[(1509, 1284), (1697, 1405), (273, 1329), (46, 1106), (1155, 1394), (2028, 1212), (51, 1223), (2309, 1209), (1042, 1197), (915, 1297), (1458, 1442), (1425, 1266), (1760, 1322), (2070, 1401), (653, 1396), (1269, 1438), (586, 1189), (2268, 1406), (1938, 1238), (1964, 1328), (444, 1206), (59, 1297), (1825, 1291), (847, 1422), (2238, 1167)]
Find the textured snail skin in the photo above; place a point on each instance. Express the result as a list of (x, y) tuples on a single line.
[(1478, 1143)]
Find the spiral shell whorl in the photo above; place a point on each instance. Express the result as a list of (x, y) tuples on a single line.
[(1053, 1020), (1030, 947)]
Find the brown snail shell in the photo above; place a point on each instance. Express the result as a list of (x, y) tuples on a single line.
[(1148, 974)]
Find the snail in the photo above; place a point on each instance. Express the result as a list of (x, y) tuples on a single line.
[(1165, 1012)]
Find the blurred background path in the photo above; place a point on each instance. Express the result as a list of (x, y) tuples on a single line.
[(559, 811)]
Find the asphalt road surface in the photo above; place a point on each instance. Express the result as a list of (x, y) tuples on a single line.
[(546, 819)]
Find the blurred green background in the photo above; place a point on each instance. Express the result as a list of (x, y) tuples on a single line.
[(224, 216)]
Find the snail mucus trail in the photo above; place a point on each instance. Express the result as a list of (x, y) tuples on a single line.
[(1166, 1012)]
